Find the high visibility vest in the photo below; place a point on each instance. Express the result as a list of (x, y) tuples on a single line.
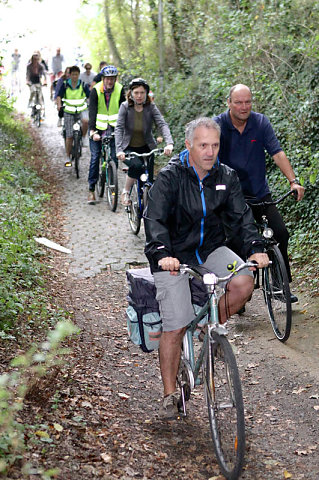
[(107, 116), (74, 99)]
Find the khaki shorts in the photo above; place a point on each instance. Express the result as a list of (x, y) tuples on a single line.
[(173, 291)]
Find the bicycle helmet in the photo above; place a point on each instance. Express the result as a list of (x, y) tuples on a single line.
[(137, 82), (109, 71)]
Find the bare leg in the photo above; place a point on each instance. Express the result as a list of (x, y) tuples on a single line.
[(68, 145), (170, 352), (238, 293), (128, 184)]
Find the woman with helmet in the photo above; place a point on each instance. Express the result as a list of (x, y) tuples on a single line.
[(105, 100), (133, 131)]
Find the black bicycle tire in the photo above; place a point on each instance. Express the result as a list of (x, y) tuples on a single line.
[(133, 210), (100, 186), (275, 301), (112, 185), (38, 119), (221, 372), (76, 153)]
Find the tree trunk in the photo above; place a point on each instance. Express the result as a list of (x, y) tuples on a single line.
[(109, 35)]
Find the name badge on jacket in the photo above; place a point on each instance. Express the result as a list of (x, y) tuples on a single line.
[(220, 187)]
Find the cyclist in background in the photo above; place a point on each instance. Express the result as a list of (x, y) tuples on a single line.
[(105, 100), (98, 76), (56, 67), (35, 74), (133, 131), (245, 135), (193, 202), (87, 76), (73, 94)]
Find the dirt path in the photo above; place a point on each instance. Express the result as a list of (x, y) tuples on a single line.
[(107, 396)]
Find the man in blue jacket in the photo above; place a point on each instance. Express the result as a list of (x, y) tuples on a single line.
[(194, 205), (245, 136)]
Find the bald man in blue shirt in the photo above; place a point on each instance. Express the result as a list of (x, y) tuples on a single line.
[(245, 137)]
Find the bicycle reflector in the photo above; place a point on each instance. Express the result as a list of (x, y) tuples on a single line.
[(38, 107), (268, 233), (143, 177), (76, 127)]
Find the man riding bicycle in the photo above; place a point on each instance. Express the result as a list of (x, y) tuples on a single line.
[(245, 135), (34, 76), (105, 100), (73, 94), (194, 203)]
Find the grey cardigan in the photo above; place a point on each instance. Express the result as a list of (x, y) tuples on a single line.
[(125, 124)]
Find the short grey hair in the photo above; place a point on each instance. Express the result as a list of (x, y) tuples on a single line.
[(200, 122)]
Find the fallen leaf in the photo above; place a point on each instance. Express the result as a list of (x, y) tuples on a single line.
[(58, 427), (106, 458), (300, 390), (123, 395), (42, 434), (287, 474), (316, 407), (86, 404)]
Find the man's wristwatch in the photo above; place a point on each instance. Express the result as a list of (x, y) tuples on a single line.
[(294, 180)]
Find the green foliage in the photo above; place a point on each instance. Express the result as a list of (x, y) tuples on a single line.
[(13, 387)]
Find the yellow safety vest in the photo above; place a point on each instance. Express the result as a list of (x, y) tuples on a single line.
[(107, 116), (74, 99)]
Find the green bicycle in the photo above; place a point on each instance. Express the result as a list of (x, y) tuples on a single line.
[(108, 174), (215, 366)]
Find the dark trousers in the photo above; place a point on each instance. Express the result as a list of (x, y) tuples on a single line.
[(278, 226)]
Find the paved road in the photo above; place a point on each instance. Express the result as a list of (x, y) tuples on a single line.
[(98, 238)]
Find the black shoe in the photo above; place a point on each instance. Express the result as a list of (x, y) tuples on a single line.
[(293, 298), (241, 310)]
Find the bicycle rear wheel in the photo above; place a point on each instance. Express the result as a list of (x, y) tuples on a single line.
[(225, 405), (277, 294), (112, 185), (133, 210), (76, 154)]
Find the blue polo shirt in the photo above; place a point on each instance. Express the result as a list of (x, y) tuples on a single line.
[(245, 152)]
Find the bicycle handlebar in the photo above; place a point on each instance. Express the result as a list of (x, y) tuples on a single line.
[(158, 151), (274, 202), (210, 278)]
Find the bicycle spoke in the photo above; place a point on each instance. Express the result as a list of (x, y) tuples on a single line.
[(277, 294), (133, 210), (225, 406)]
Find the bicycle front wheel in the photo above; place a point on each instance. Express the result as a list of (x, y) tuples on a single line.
[(112, 185), (145, 195), (100, 186), (76, 154), (225, 405), (133, 210), (277, 294)]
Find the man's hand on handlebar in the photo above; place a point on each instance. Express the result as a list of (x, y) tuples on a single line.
[(300, 191), (168, 149), (171, 264), (95, 136), (261, 258)]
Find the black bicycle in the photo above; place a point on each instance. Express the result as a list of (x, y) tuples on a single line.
[(77, 143), (108, 174), (139, 190), (274, 278), (37, 109)]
